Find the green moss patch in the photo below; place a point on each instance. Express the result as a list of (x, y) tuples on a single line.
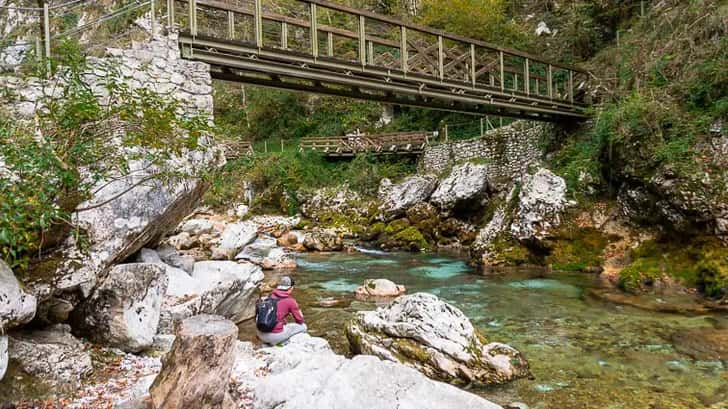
[(700, 263), (576, 248), (411, 237)]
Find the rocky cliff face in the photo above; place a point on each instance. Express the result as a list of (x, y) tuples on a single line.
[(133, 208)]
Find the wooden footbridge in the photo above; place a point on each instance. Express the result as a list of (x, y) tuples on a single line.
[(403, 143), (326, 48)]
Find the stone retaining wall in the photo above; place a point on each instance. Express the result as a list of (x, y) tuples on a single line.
[(152, 65), (508, 150)]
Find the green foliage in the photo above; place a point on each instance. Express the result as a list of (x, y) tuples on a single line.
[(480, 19), (54, 164), (280, 177), (713, 274), (576, 248)]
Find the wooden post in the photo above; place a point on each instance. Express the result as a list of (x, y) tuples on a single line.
[(527, 77), (284, 35), (152, 6), (231, 25), (515, 82), (193, 17), (403, 49), (314, 31), (170, 13), (362, 41), (370, 50), (258, 16), (440, 58), (482, 131), (330, 43), (281, 145), (502, 71), (642, 8), (571, 86), (472, 64), (550, 87), (47, 36), (265, 146), (447, 137)]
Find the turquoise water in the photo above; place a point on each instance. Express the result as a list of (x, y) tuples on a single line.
[(584, 353)]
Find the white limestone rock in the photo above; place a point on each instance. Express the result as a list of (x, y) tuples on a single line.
[(236, 236), (379, 288), (196, 227), (16, 306), (169, 255), (124, 310), (265, 252), (51, 354), (397, 198), (3, 356), (223, 288), (467, 184), (323, 240), (540, 203), (432, 336), (305, 373)]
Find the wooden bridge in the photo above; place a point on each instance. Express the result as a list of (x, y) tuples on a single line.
[(327, 48), (407, 143)]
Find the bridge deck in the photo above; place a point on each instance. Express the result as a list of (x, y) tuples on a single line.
[(333, 49), (408, 143)]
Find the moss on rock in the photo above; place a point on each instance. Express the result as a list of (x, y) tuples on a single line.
[(411, 237)]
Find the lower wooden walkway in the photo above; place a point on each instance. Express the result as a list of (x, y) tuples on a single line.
[(409, 143)]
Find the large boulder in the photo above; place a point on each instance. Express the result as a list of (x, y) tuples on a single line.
[(235, 237), (195, 370), (427, 334), (466, 185), (265, 252), (323, 240), (51, 354), (541, 201), (397, 198), (223, 288), (305, 373), (379, 288), (16, 306), (124, 310)]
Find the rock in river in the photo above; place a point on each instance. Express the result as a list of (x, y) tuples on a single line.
[(540, 202), (305, 374), (427, 334), (379, 288)]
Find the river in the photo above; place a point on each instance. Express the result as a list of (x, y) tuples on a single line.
[(584, 352)]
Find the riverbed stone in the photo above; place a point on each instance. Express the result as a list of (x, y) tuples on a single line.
[(466, 185), (124, 310), (235, 237), (196, 227), (51, 354), (379, 288), (16, 306), (170, 255), (397, 198), (228, 288), (436, 338), (305, 373), (323, 240)]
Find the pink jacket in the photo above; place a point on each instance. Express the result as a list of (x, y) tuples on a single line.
[(286, 305)]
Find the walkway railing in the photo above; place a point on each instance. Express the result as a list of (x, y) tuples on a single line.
[(403, 143)]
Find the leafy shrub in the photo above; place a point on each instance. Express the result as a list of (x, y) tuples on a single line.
[(51, 166)]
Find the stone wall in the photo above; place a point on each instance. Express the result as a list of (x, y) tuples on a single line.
[(508, 150), (154, 65)]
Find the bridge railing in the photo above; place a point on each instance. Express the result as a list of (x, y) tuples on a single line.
[(333, 33), (402, 143)]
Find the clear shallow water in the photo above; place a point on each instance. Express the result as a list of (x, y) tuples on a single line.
[(584, 353)]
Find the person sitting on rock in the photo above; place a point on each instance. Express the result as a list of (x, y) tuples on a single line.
[(285, 305)]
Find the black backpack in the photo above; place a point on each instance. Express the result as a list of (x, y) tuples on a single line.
[(266, 314)]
